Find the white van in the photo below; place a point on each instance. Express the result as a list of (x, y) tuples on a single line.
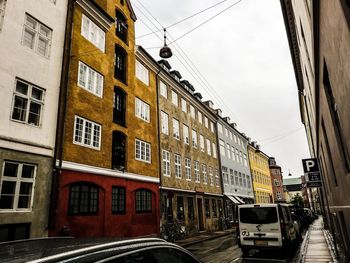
[(265, 226)]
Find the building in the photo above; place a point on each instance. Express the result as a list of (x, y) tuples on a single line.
[(106, 178), (235, 170), (260, 171), (293, 186), (190, 174), (319, 37), (31, 49), (277, 181)]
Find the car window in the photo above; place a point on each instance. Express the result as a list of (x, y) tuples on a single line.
[(258, 215)]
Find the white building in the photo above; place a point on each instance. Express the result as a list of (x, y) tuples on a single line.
[(31, 50)]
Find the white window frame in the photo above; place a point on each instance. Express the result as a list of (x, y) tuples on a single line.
[(176, 129), (93, 33), (228, 151), (166, 163), (208, 147), (175, 98), (217, 180), (196, 172), (220, 127), (194, 139), (233, 157), (95, 128), (163, 89), (200, 117), (204, 173), (142, 73), (214, 150), (188, 169), (183, 105), (192, 112), (142, 110), (206, 122), (231, 137), (164, 122), (36, 32), (245, 161), (90, 80), (201, 143), (226, 132), (186, 136), (222, 147), (145, 155), (18, 180), (211, 176), (177, 161), (212, 126)]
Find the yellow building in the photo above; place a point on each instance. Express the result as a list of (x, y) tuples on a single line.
[(259, 166)]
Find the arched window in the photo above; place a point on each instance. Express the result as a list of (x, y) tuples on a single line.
[(121, 26), (118, 150), (120, 64), (83, 199), (119, 103), (143, 200)]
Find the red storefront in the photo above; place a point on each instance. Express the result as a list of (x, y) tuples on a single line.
[(92, 205)]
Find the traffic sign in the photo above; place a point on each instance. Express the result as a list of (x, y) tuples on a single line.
[(310, 165), (312, 172)]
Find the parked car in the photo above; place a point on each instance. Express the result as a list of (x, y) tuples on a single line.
[(148, 250), (266, 226)]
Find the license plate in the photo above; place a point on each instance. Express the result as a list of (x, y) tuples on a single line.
[(261, 243)]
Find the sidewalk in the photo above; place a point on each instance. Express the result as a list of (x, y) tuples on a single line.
[(203, 236), (316, 247)]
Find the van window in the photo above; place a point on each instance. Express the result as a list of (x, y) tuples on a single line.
[(258, 215)]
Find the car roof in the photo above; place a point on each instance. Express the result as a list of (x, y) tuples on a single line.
[(102, 251), (257, 205)]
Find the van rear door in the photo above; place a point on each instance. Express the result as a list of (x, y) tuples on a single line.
[(260, 226)]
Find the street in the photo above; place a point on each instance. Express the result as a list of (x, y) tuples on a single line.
[(225, 249)]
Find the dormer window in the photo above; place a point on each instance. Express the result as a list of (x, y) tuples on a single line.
[(121, 26)]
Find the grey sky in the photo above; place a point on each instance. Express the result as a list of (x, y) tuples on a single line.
[(243, 53)]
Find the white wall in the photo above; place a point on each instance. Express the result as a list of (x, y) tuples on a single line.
[(20, 61)]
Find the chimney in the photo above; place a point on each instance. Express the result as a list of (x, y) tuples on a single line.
[(227, 119), (209, 103)]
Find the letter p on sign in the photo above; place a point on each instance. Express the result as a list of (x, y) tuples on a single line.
[(310, 165)]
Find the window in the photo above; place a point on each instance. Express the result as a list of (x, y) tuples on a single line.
[(143, 151), (174, 98), (204, 173), (142, 110), (214, 208), (230, 135), (36, 36), (211, 176), (235, 138), (118, 150), (208, 147), (121, 26), (180, 208), (225, 175), (240, 179), (83, 199), (279, 195), (87, 133), (178, 166), (185, 134), (10, 232), (206, 124), (194, 139), (2, 13), (207, 208), (214, 150), (142, 73), (228, 151), (90, 79), (201, 142), (232, 177), (93, 33), (276, 182), (120, 64), (244, 181), (196, 172), (118, 200), (163, 89), (217, 181), (226, 132), (166, 163), (176, 129), (212, 127), (17, 186), (233, 153), (119, 103), (220, 127), (164, 122), (236, 178), (222, 147), (190, 208), (249, 185), (28, 101), (183, 105), (192, 112), (245, 160), (143, 201), (200, 117), (188, 169), (240, 158), (237, 155)]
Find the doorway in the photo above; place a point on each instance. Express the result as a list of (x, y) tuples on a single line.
[(200, 214)]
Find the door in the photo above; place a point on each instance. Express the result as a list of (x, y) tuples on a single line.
[(200, 214)]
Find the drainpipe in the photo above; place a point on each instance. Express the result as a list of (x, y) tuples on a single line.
[(62, 108)]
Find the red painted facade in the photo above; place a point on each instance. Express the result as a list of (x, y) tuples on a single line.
[(105, 223)]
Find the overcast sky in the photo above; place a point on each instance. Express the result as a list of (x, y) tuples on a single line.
[(244, 67)]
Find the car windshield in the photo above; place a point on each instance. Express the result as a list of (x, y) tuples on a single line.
[(258, 215)]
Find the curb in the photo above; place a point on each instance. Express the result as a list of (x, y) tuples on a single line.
[(205, 239), (303, 248), (330, 244)]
